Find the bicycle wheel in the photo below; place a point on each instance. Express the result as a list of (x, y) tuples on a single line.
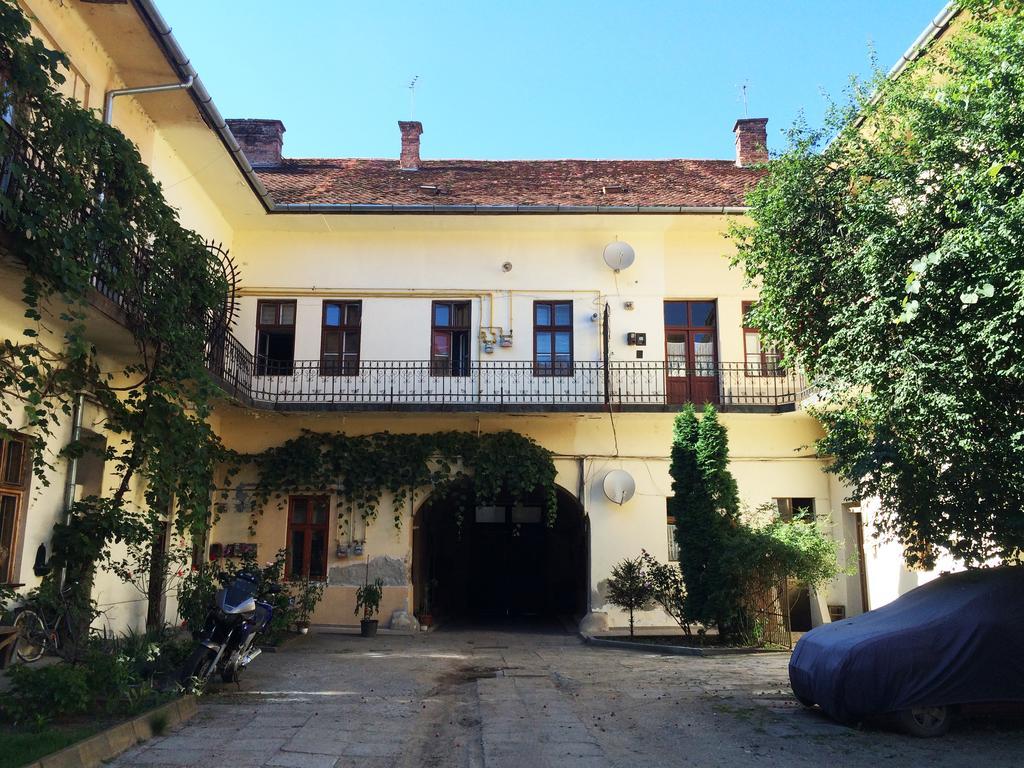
[(32, 636)]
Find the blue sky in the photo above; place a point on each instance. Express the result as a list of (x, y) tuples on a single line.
[(555, 79)]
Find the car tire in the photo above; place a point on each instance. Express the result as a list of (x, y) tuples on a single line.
[(925, 722), (805, 702)]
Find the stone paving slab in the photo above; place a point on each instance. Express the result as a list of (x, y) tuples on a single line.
[(479, 699)]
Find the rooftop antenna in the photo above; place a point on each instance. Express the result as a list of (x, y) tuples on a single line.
[(744, 87), (412, 97)]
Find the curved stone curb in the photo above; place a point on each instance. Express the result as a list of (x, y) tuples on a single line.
[(108, 744), (675, 650)]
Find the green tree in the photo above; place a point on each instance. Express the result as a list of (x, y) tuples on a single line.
[(81, 211), (728, 564), (705, 505), (891, 267), (629, 588)]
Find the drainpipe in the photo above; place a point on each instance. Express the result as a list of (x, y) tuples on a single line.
[(108, 105), (605, 343), (72, 477), (79, 404)]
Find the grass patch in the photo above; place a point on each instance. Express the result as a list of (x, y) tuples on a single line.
[(21, 746)]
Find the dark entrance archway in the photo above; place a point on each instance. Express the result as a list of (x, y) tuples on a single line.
[(504, 562)]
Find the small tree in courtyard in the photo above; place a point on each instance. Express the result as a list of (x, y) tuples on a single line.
[(629, 588), (667, 588)]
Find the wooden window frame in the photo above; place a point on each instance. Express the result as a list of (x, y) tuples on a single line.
[(451, 369), (276, 326), (552, 369), (341, 368), (787, 508), (17, 489), (673, 545), (690, 329), (308, 528), (766, 367)]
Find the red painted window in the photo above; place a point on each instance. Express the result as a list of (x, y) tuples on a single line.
[(275, 338), (759, 360), (307, 537), (13, 484)]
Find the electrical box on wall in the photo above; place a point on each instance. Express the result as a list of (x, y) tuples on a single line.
[(636, 339)]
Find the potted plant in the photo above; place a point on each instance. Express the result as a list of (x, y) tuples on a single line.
[(307, 597), (368, 600), (425, 617)]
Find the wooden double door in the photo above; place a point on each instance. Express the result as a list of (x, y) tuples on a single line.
[(691, 352)]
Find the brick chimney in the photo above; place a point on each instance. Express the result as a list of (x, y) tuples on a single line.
[(751, 141), (411, 130), (261, 140)]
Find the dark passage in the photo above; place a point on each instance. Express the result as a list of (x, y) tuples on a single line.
[(504, 563)]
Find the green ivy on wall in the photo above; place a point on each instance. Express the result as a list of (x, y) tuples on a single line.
[(81, 211), (470, 468)]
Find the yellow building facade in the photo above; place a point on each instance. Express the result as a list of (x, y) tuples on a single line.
[(414, 296)]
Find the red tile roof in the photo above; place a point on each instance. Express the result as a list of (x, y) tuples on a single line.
[(686, 183)]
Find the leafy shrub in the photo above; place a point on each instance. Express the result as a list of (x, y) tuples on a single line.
[(630, 588), (726, 562), (368, 598), (195, 595), (306, 595), (38, 694), (115, 675), (667, 588)]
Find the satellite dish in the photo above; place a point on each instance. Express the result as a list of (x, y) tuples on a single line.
[(619, 486), (619, 255)]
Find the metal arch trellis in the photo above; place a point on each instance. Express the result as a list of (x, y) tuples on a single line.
[(229, 270)]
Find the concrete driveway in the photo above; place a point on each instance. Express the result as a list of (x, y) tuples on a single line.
[(489, 698)]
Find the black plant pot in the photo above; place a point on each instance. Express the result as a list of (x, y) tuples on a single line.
[(368, 627)]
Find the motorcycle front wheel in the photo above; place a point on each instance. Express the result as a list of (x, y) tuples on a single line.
[(197, 668)]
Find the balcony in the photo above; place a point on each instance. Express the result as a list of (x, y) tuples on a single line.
[(418, 385), (26, 180)]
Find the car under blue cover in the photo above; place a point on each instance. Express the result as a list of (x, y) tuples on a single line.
[(955, 640)]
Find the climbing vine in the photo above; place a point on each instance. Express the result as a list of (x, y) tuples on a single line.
[(471, 468), (82, 213)]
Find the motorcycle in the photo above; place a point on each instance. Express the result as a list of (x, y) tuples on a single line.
[(226, 641)]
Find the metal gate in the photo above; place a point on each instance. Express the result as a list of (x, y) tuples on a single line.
[(769, 606)]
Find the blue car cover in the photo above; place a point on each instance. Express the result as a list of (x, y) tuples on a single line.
[(954, 640)]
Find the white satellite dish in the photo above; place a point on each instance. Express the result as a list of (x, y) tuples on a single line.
[(619, 255), (619, 486)]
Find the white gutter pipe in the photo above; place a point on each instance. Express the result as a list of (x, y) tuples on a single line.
[(937, 25), (108, 105), (935, 28)]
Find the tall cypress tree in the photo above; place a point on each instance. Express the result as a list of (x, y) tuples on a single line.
[(705, 504)]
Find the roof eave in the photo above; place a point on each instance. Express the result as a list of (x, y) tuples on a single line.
[(164, 37), (501, 210)]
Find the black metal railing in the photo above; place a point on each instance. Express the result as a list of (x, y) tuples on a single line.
[(491, 384), (230, 364)]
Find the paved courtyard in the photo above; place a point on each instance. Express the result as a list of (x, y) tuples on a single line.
[(487, 698)]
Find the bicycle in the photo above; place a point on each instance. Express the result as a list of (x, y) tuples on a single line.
[(36, 634)]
